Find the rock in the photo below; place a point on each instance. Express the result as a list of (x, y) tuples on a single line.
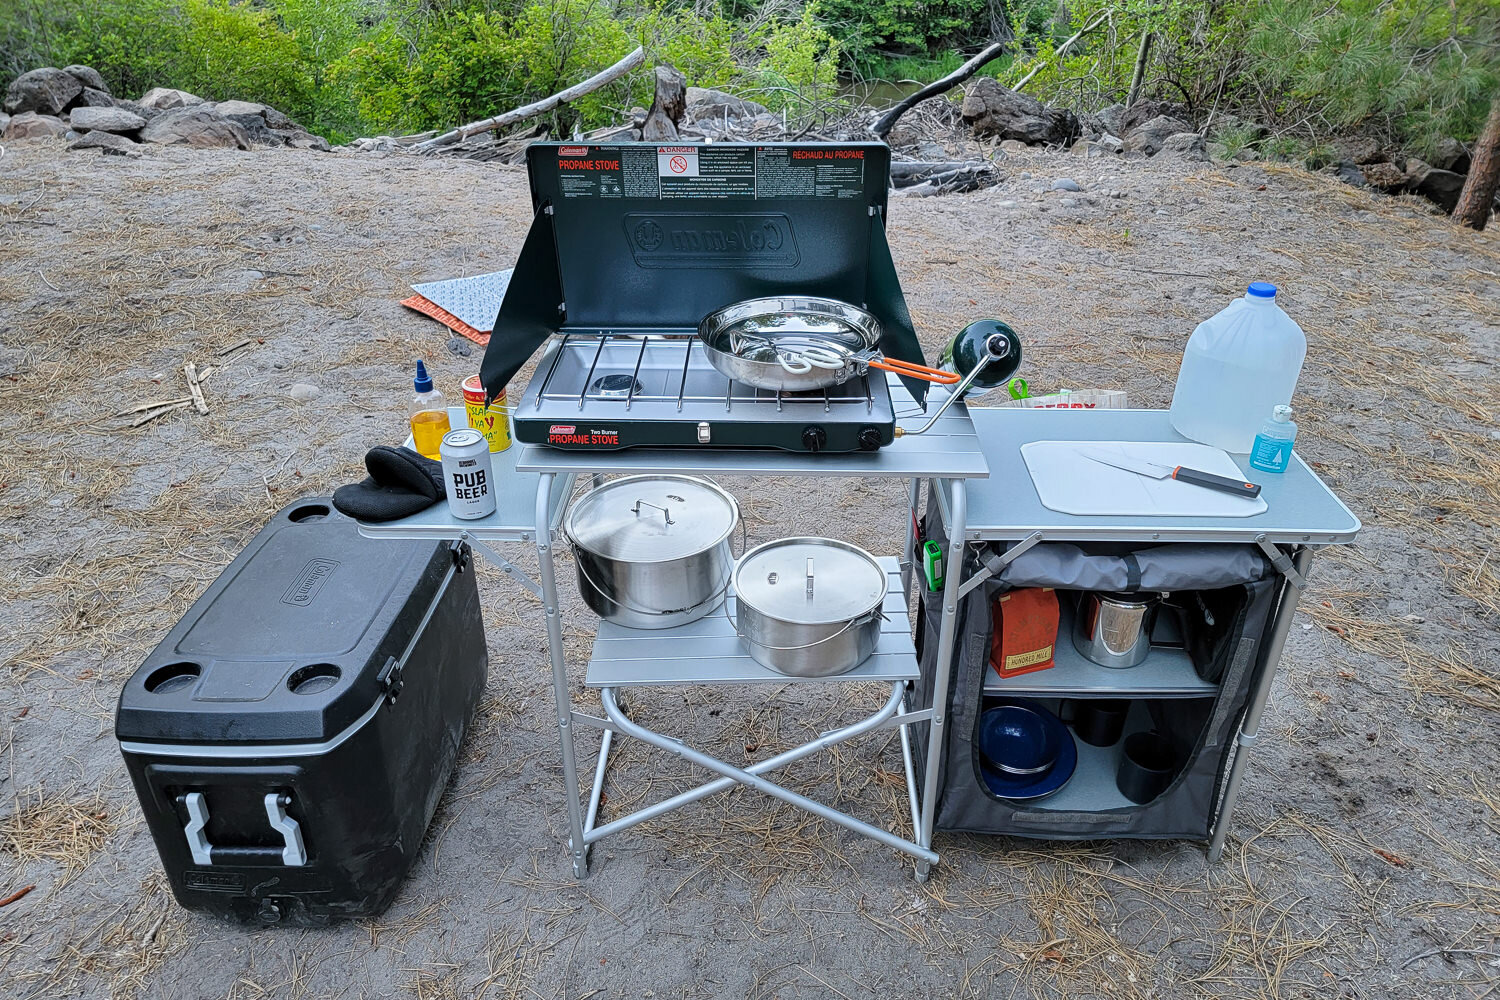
[(46, 91), (30, 125), (1142, 112), (1150, 136), (1385, 177), (199, 127), (1347, 171), (993, 110), (704, 102), (1065, 184), (106, 120), (1451, 155), (1441, 187), (111, 143), (298, 139), (165, 99), (273, 118), (1360, 149), (88, 76), (91, 98), (302, 392), (1112, 119), (1187, 146)]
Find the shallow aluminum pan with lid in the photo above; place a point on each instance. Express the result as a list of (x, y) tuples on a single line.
[(809, 607), (653, 551)]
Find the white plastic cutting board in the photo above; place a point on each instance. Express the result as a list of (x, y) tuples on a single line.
[(1071, 484)]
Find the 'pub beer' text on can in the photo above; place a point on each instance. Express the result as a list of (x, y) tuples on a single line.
[(468, 474), (490, 421)]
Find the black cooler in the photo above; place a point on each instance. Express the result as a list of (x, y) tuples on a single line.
[(290, 738)]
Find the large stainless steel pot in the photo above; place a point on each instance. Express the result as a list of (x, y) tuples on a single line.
[(653, 551), (797, 343), (809, 607)]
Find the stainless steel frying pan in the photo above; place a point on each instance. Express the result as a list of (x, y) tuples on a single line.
[(796, 343)]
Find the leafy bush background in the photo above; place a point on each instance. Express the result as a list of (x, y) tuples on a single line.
[(1411, 70)]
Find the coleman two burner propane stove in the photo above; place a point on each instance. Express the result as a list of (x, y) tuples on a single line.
[(632, 245)]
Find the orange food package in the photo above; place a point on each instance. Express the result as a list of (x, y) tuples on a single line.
[(1025, 631)]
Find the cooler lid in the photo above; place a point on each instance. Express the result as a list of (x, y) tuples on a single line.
[(287, 644)]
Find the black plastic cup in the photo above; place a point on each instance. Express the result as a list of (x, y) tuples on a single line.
[(1100, 721), (1147, 766)]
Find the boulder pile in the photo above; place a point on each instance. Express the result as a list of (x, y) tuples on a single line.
[(74, 103), (1147, 128)]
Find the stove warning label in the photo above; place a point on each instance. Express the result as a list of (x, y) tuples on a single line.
[(709, 171)]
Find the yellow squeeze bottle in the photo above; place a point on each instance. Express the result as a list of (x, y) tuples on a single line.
[(429, 415)]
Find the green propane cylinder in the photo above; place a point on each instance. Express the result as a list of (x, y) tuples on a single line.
[(988, 344)]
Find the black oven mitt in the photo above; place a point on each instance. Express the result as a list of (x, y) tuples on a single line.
[(400, 483)]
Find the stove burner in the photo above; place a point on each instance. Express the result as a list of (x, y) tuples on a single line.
[(616, 386)]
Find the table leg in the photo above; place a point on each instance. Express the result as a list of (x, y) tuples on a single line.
[(1286, 610), (943, 665), (909, 550), (923, 854), (560, 693)]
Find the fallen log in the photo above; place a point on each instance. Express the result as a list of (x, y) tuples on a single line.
[(887, 121), (905, 172), (546, 104)]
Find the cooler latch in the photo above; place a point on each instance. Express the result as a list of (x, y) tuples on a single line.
[(391, 679), (292, 852)]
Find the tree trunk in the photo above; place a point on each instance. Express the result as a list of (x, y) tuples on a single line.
[(1141, 58), (1477, 200)]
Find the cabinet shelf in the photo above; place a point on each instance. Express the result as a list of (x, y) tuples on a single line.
[(1167, 672)]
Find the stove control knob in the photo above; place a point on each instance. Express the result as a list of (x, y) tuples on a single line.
[(814, 438), (704, 436), (869, 439)]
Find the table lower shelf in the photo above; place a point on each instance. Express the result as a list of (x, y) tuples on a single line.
[(709, 651)]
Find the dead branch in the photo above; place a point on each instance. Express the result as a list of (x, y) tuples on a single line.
[(546, 104), (887, 121), (1062, 49)]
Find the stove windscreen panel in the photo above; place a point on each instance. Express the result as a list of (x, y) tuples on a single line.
[(660, 236)]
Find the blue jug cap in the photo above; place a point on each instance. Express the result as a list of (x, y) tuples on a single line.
[(423, 381), (1262, 290)]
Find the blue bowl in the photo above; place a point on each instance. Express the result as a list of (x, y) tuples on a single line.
[(1018, 741)]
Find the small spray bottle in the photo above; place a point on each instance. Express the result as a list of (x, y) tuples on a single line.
[(429, 415), (1272, 450)]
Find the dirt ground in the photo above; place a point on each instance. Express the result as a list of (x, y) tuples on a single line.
[(1364, 860)]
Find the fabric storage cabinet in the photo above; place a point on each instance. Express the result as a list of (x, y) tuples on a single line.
[(290, 738), (1193, 691)]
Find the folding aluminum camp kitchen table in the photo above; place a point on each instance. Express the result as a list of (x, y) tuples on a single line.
[(708, 651), (1302, 514)]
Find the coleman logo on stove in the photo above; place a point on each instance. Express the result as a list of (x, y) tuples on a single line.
[(569, 434), (692, 239)]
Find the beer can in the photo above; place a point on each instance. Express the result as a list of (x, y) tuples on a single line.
[(492, 422), (468, 474)]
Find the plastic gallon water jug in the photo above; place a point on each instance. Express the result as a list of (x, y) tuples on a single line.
[(1239, 365)]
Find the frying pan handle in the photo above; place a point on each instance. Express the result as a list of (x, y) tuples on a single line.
[(916, 371)]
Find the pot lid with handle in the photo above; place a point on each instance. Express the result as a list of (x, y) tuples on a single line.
[(645, 519), (810, 581)]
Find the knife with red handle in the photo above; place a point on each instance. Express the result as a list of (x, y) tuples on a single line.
[(1193, 477)]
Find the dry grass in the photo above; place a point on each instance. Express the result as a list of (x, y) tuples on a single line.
[(54, 826)]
